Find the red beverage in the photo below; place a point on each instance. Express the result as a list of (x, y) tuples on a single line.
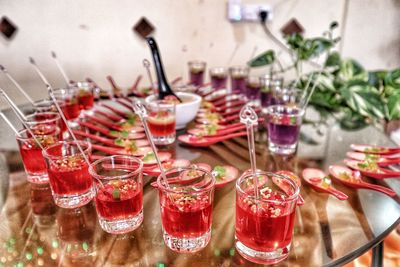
[(70, 108), (266, 229), (119, 200), (161, 124), (32, 157), (70, 176), (85, 99), (185, 216)]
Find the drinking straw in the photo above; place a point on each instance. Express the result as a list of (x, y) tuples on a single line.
[(55, 102), (146, 64), (9, 123), (5, 72), (12, 104), (60, 68), (142, 113), (250, 119), (32, 61), (23, 121)]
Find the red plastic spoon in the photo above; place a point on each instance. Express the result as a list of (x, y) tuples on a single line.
[(224, 175), (381, 160), (375, 149), (371, 170), (108, 115), (117, 111), (353, 179), (204, 132), (320, 182), (206, 141), (112, 134), (112, 142), (140, 151), (169, 164), (295, 179)]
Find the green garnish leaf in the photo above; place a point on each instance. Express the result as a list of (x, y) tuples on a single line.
[(219, 172), (149, 156), (124, 134), (211, 129), (116, 194), (119, 142), (114, 133)]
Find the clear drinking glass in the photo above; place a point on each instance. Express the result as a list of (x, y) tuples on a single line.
[(162, 122), (283, 125), (196, 72), (36, 119), (70, 181), (238, 79), (119, 193), (31, 152), (68, 100), (85, 96), (266, 91), (264, 225), (253, 89), (218, 77), (186, 208)]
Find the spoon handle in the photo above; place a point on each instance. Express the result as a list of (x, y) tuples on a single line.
[(338, 194), (379, 188)]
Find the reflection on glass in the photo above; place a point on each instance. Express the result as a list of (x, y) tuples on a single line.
[(42, 203)]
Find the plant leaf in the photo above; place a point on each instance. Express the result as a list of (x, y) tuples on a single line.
[(263, 59), (394, 106), (333, 60)]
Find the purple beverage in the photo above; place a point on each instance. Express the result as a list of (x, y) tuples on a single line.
[(238, 79), (266, 99), (196, 72), (283, 125), (253, 87), (218, 78)]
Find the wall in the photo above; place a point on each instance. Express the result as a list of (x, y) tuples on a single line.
[(93, 38)]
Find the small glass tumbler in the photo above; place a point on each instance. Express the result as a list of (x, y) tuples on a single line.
[(119, 193), (283, 125), (162, 122), (85, 96), (70, 181), (266, 91), (68, 101), (196, 72), (37, 119), (31, 152), (218, 77), (253, 90), (238, 79), (186, 201), (276, 88), (264, 225)]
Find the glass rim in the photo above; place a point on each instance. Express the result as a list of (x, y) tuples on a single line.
[(86, 149), (291, 198), (161, 103), (57, 117), (300, 114), (162, 187), (24, 131), (92, 170), (218, 70), (197, 62)]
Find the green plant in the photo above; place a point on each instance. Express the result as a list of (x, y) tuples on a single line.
[(345, 90)]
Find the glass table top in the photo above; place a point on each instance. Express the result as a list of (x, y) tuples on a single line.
[(328, 232)]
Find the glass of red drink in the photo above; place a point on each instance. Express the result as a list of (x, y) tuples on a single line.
[(46, 118), (218, 77), (186, 201), (68, 100), (31, 152), (119, 193), (196, 72), (264, 225), (85, 96), (69, 177), (238, 79), (283, 125), (253, 90), (162, 122)]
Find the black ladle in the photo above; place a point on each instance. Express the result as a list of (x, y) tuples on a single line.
[(163, 87)]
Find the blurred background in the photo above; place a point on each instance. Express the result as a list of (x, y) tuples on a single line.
[(94, 38)]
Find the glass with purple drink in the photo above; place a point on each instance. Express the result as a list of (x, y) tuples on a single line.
[(276, 91), (253, 89), (218, 77), (283, 125), (238, 79), (266, 92), (196, 72)]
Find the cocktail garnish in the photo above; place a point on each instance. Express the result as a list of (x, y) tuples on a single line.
[(219, 172), (345, 176), (149, 156), (326, 182)]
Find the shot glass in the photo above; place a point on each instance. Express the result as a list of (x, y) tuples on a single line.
[(264, 225), (70, 181), (37, 119), (68, 101), (238, 79), (44, 105), (266, 91), (186, 201), (218, 77), (162, 122), (196, 72), (283, 125), (119, 193), (31, 152), (253, 89), (85, 96)]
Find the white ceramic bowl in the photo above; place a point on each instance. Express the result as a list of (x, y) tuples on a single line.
[(185, 112)]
